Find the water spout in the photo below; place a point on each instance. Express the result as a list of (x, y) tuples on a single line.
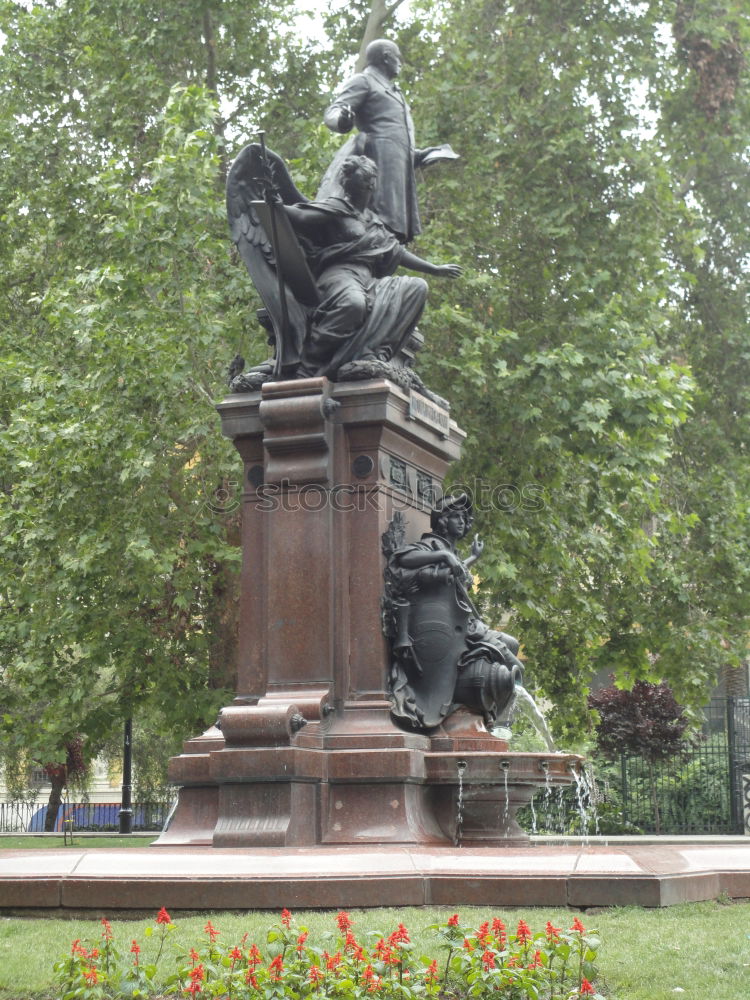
[(525, 701)]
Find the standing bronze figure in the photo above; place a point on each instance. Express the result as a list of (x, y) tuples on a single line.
[(372, 102)]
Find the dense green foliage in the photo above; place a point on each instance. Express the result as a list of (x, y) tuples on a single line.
[(596, 349)]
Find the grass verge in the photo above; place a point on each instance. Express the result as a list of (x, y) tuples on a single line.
[(32, 843), (701, 949)]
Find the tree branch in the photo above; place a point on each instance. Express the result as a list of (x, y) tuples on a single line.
[(380, 12)]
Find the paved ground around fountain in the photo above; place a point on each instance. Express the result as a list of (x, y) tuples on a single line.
[(648, 874)]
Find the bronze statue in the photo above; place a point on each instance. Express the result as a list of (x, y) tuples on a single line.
[(443, 654), (325, 272), (372, 101), (365, 311)]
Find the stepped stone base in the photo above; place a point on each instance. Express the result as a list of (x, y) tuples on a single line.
[(105, 881)]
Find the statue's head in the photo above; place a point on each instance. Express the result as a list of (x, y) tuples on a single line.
[(385, 55), (452, 516), (358, 174)]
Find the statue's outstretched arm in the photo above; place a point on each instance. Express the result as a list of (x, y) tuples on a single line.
[(415, 263), (418, 558)]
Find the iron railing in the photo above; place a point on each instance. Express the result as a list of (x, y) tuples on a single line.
[(705, 789), (29, 817)]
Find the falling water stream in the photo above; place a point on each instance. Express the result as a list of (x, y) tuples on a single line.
[(525, 701), (586, 794), (506, 797), (553, 809), (460, 767)]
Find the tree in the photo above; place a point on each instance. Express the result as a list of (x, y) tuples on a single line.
[(645, 721), (595, 350), (593, 391), (121, 305)]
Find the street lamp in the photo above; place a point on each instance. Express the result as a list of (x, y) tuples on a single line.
[(126, 807)]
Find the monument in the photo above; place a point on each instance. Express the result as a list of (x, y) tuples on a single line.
[(368, 682)]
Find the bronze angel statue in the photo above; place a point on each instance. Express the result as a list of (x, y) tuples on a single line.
[(325, 271)]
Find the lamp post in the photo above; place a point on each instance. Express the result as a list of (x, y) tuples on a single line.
[(126, 807)]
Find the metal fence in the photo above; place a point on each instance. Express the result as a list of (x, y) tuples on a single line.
[(29, 817), (703, 790)]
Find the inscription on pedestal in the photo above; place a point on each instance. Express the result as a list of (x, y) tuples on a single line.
[(426, 412)]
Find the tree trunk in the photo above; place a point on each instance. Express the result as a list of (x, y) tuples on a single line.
[(212, 82), (380, 12), (58, 777)]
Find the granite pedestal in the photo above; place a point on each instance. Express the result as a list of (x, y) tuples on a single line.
[(308, 754)]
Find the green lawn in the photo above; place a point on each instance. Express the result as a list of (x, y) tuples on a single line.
[(47, 843), (700, 948)]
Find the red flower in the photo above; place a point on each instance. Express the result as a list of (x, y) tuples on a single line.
[(250, 979), (523, 933), (536, 962), (399, 936), (91, 976), (315, 975), (235, 954), (211, 931), (431, 975), (194, 956), (586, 987), (135, 949), (286, 917), (276, 969), (94, 953), (453, 921), (484, 930), (107, 932), (373, 981), (198, 974), (552, 933), (488, 960), (344, 921), (301, 941), (75, 948), (332, 961), (194, 987), (468, 945), (254, 957), (162, 917), (578, 926)]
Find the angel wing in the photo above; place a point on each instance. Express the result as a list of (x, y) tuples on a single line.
[(266, 242)]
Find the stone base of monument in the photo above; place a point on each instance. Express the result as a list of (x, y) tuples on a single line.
[(645, 871), (337, 785), (308, 752)]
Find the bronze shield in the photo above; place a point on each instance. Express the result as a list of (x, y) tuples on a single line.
[(437, 629)]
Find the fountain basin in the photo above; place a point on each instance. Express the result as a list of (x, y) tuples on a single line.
[(476, 796)]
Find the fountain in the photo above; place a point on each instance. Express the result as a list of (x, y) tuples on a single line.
[(357, 764), (323, 744), (343, 732)]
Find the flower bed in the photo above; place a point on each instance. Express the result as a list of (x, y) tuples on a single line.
[(553, 964)]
